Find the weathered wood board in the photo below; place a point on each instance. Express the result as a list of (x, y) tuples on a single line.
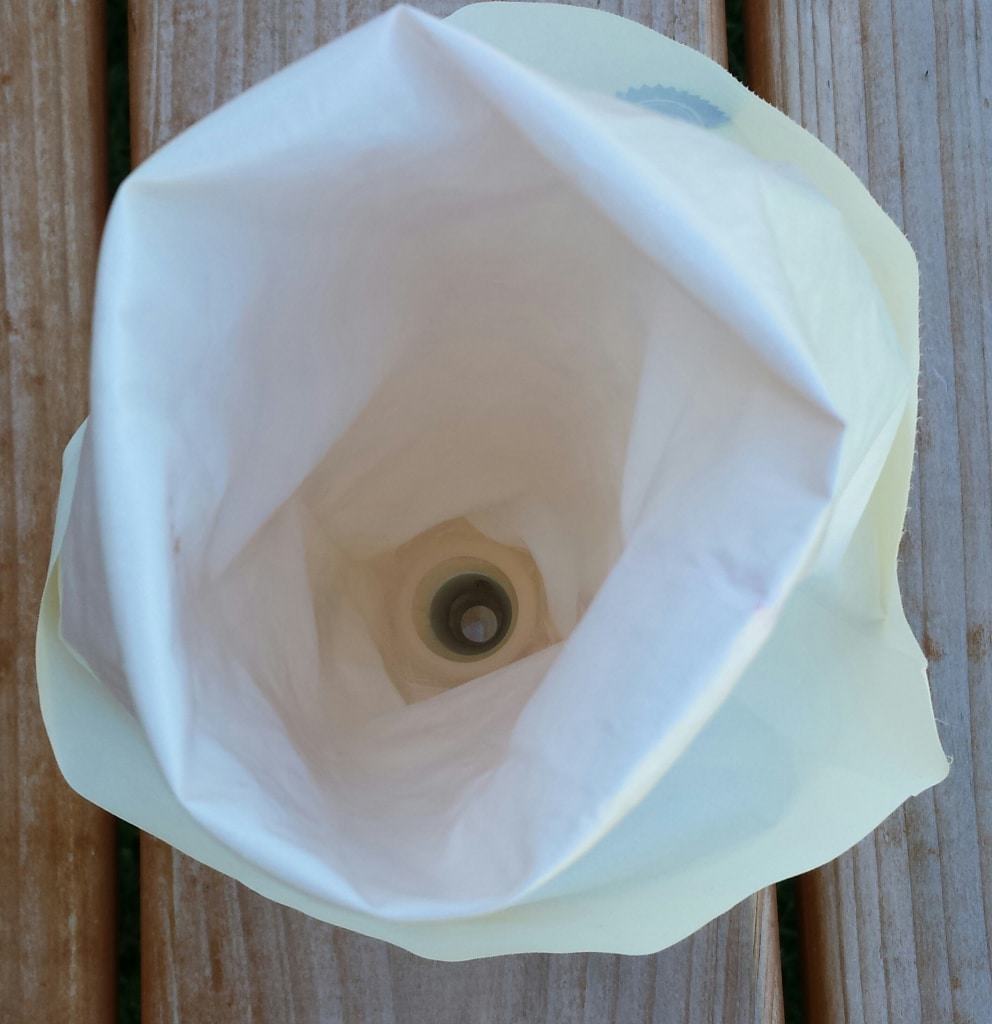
[(56, 851), (899, 929), (214, 952)]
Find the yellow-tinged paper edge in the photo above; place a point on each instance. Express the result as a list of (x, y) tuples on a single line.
[(102, 750)]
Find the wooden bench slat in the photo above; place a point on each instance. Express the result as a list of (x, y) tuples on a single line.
[(214, 952), (57, 960), (899, 929)]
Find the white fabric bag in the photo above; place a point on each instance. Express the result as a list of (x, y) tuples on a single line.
[(453, 304)]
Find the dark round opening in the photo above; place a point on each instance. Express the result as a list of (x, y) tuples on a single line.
[(470, 614)]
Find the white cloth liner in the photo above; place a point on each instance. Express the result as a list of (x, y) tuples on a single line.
[(410, 279)]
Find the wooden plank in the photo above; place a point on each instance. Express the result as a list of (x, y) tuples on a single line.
[(56, 851), (898, 929), (189, 56), (213, 951)]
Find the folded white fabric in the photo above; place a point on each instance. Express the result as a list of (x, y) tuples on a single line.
[(484, 533)]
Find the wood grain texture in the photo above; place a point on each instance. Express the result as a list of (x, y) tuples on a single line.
[(56, 851), (189, 56), (898, 929), (213, 951)]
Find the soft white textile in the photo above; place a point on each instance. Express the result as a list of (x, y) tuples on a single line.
[(418, 279)]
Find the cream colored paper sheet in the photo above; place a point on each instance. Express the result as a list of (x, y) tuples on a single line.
[(542, 274)]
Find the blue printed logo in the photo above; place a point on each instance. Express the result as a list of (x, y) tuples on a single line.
[(686, 106)]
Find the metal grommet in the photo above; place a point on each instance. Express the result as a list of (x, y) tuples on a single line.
[(471, 614)]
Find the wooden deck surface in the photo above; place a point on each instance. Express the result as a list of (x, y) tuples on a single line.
[(56, 850), (215, 952), (895, 931), (898, 929)]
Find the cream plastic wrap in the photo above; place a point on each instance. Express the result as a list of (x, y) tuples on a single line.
[(536, 289)]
